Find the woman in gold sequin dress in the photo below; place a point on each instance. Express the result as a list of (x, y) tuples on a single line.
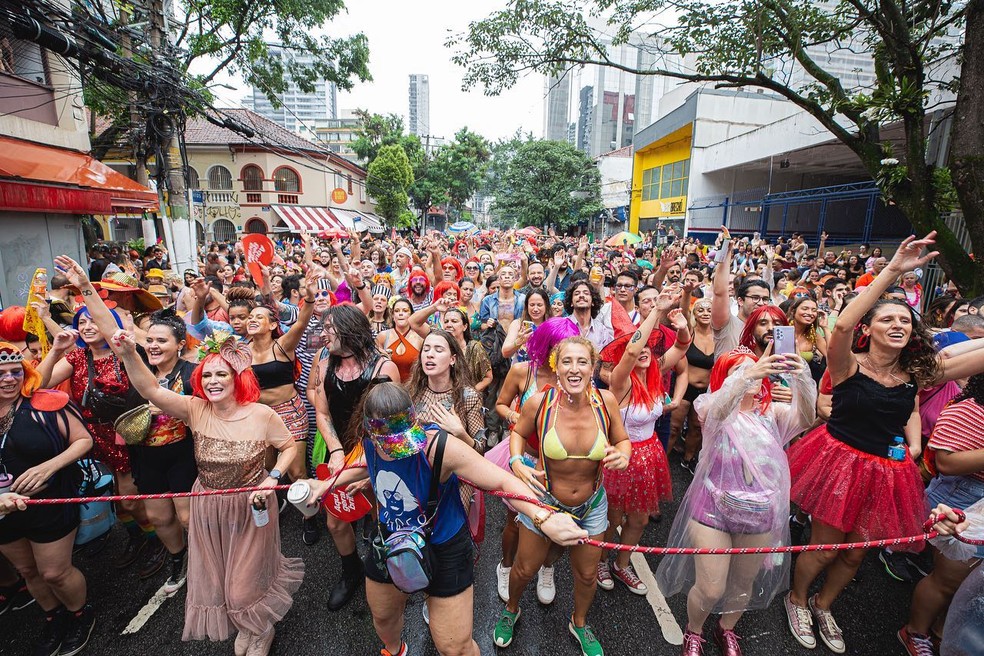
[(237, 576)]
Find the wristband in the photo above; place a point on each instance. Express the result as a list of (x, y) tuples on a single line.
[(331, 451), (362, 287), (513, 459)]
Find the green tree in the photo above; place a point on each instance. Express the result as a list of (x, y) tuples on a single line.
[(252, 39), (739, 43), (387, 180), (377, 130), (548, 183), (461, 165)]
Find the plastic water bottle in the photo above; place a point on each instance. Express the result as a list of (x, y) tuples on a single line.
[(898, 450)]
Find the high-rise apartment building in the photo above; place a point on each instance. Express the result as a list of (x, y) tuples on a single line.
[(300, 112), (418, 119), (598, 108)]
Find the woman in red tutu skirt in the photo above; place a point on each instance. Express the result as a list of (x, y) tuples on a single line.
[(635, 492), (847, 474)]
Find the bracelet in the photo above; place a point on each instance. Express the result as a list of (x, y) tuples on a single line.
[(513, 459), (331, 451), (684, 343), (362, 287)]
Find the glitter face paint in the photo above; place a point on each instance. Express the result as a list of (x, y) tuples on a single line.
[(398, 436)]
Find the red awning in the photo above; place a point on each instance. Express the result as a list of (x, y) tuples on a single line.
[(39, 178), (308, 219)]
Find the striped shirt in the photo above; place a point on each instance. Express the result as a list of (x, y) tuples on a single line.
[(960, 427)]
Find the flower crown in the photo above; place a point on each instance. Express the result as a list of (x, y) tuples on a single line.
[(233, 350)]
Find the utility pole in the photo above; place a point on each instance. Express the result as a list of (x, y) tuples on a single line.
[(179, 227)]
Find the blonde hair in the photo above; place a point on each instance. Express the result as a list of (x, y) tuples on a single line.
[(576, 340)]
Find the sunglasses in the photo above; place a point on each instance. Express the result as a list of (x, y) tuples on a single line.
[(324, 293), (471, 267)]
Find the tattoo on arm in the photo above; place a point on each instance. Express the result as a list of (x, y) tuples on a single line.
[(637, 336), (87, 292)]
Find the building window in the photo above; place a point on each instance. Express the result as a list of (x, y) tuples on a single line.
[(285, 179), (252, 178), (650, 184), (224, 230), (193, 182), (219, 178), (25, 59), (675, 179), (256, 226)]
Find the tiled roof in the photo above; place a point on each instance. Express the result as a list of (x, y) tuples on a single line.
[(268, 133), (625, 151)]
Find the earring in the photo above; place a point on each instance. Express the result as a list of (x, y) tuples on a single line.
[(862, 341)]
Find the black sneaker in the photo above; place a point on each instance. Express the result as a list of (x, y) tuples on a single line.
[(135, 546), (179, 573), (797, 530), (896, 565), (920, 563), (56, 624), (9, 597), (690, 465), (156, 555), (80, 627), (310, 532)]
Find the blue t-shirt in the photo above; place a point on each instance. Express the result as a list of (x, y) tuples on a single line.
[(402, 487)]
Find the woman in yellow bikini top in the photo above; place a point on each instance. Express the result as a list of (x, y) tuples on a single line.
[(564, 418)]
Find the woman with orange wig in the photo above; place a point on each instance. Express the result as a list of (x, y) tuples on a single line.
[(237, 576), (739, 496), (42, 435)]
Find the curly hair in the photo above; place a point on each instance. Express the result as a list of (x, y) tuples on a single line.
[(546, 336), (576, 340), (170, 320), (811, 332), (974, 389), (595, 298), (918, 357)]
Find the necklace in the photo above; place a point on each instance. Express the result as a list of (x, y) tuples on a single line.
[(867, 365), (8, 419)]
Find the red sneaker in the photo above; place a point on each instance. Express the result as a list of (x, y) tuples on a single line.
[(727, 640), (693, 644), (915, 644)]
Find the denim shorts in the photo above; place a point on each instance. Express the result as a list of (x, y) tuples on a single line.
[(957, 492), (592, 515)]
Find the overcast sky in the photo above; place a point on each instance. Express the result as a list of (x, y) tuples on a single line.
[(408, 37)]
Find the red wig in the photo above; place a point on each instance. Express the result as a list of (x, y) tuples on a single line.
[(441, 288), (245, 385), (12, 324), (747, 338), (417, 272), (724, 364), (459, 273)]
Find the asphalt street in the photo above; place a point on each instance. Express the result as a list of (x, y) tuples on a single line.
[(869, 612)]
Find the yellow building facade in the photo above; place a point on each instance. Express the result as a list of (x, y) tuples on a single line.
[(660, 174)]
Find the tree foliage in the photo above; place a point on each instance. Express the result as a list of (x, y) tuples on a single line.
[(460, 166), (377, 130), (387, 180), (782, 46), (546, 183)]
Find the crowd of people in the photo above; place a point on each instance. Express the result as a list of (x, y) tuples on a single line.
[(801, 389)]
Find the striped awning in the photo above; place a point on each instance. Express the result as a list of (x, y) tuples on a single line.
[(371, 222), (308, 219)]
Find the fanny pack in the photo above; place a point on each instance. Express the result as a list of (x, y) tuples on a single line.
[(750, 510), (407, 552), (107, 407)]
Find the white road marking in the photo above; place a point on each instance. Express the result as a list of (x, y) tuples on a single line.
[(672, 632), (146, 612)]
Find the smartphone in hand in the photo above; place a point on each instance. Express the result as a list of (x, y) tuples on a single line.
[(783, 340)]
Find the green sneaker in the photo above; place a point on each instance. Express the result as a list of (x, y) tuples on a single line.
[(503, 633), (586, 638)]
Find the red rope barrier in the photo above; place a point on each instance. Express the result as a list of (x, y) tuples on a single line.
[(141, 497), (686, 551)]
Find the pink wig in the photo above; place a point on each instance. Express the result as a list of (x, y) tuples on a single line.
[(546, 336)]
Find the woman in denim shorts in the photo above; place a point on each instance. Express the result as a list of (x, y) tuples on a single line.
[(567, 477)]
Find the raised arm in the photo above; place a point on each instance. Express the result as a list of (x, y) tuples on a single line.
[(676, 352), (173, 404), (840, 359), (720, 301), (289, 341), (418, 320), (621, 380)]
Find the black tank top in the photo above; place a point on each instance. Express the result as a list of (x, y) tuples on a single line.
[(275, 373), (28, 444), (699, 359), (344, 395), (867, 415)]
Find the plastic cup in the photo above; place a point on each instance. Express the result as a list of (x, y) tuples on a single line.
[(298, 494)]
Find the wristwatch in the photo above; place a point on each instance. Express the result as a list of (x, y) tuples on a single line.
[(541, 516), (275, 473)]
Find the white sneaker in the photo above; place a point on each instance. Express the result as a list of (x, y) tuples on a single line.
[(502, 581), (545, 588), (426, 613)]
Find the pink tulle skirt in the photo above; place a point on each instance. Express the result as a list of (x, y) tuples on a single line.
[(644, 483), (238, 580), (854, 491)]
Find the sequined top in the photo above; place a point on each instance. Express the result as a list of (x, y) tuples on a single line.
[(230, 453)]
